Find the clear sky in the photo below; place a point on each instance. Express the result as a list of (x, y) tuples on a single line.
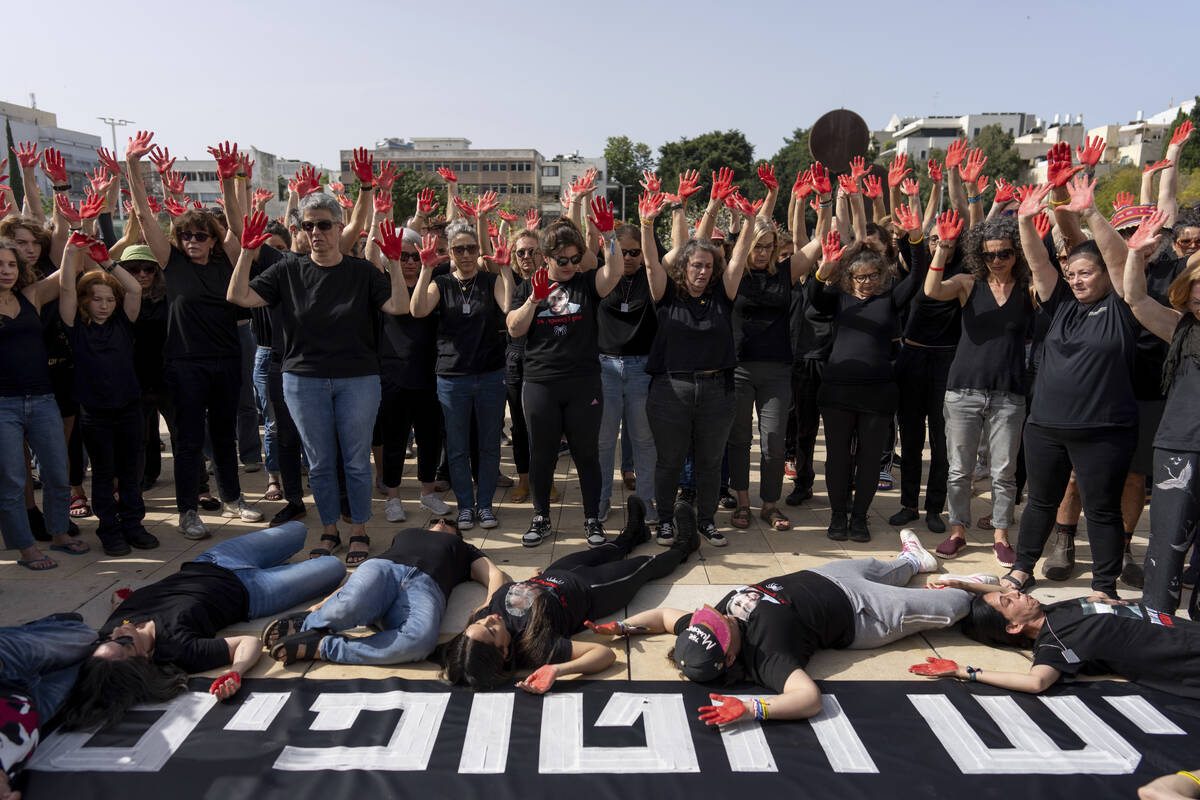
[(303, 79)]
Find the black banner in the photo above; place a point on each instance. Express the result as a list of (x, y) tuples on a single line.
[(290, 739)]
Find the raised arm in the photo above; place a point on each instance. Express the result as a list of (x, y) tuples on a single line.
[(970, 171), (586, 658), (139, 146), (425, 294), (649, 206), (1155, 317), (602, 220), (732, 276), (1168, 184), (766, 174), (69, 277), (935, 196), (501, 256), (1112, 246), (231, 167), (1059, 171), (254, 234), (955, 154), (391, 243), (27, 159), (722, 187), (1045, 276), (949, 226), (858, 212), (364, 169)]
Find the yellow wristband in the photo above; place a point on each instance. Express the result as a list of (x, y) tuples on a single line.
[(817, 275), (1189, 775), (918, 241), (1054, 202)]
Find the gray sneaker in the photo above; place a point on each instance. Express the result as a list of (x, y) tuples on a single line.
[(191, 526), (1060, 556), (241, 510)]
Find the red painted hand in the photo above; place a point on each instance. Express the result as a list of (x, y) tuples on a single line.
[(1005, 191), (934, 667), (602, 214), (139, 145), (730, 710), (1158, 165), (910, 187), (507, 216), (344, 201), (858, 167), (337, 187), (831, 247), (955, 153), (906, 218), (540, 283), (949, 225), (1032, 198), (1058, 165), (363, 165), (226, 158), (981, 183), (689, 184), (65, 207), (426, 205), (161, 158), (1081, 191), (820, 179), (650, 181), (387, 176), (226, 686), (176, 183), (649, 205), (383, 202), (174, 208), (971, 168), (722, 184), (27, 153), (246, 165), (848, 184), (1181, 133), (766, 174), (803, 187), (487, 203), (1042, 224), (100, 179), (156, 207), (872, 186), (464, 207), (1146, 237), (1123, 199), (428, 250), (447, 175), (109, 161), (532, 219), (54, 165), (898, 170), (541, 680), (91, 206), (391, 240), (254, 231), (1091, 153), (935, 171), (501, 255)]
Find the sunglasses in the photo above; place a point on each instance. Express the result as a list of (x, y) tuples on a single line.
[(1000, 255), (525, 252), (136, 270), (1188, 242), (123, 641), (867, 277), (415, 257), (319, 225), (634, 253), (465, 249), (198, 236), (562, 261)]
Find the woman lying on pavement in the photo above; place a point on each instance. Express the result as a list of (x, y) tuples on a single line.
[(402, 593), (766, 633), (528, 625), (1085, 636), (169, 628)]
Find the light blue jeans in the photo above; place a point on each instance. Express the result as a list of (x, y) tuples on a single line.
[(970, 413), (626, 385), (330, 412), (34, 419), (259, 560), (262, 398), (458, 394), (43, 657), (404, 603)]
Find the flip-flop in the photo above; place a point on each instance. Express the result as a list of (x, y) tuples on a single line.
[(30, 564), (72, 548)]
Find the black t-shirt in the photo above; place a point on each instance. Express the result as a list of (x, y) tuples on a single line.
[(1085, 378), (1145, 646), (570, 606), (811, 328), (328, 314), (188, 608), (469, 343), (935, 323), (23, 363), (761, 315), (784, 621), (1180, 425), (626, 322), (104, 369), (445, 557), (695, 334), (200, 322), (561, 342), (1151, 350), (408, 351), (149, 339), (991, 349)]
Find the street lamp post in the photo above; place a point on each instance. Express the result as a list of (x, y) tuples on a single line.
[(113, 123)]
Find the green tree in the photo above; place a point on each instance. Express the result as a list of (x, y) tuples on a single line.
[(706, 154), (791, 159), (1189, 158), (1125, 179), (1003, 161), (627, 159), (16, 182)]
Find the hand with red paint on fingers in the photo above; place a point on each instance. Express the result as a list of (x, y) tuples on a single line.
[(1093, 150), (5, 207), (464, 206), (689, 184), (176, 183), (540, 283), (532, 219), (970, 169), (139, 145), (803, 187), (872, 186), (1146, 237), (730, 710), (820, 179), (619, 628), (907, 219), (1032, 199), (156, 207), (196, 204), (507, 216), (54, 166), (94, 247), (650, 181), (487, 203), (955, 153), (426, 205), (949, 225), (766, 174), (935, 171), (383, 202), (245, 166), (1005, 191), (1181, 133), (262, 197), (345, 202), (1058, 165), (447, 174), (858, 167), (1081, 190), (493, 231), (1042, 224), (602, 215), (308, 181), (831, 247), (174, 208), (91, 206), (109, 161), (910, 187), (428, 251), (650, 205), (363, 165), (390, 240), (226, 158), (1124, 199), (100, 179), (541, 680), (160, 157), (226, 686), (254, 230), (935, 667), (337, 187), (500, 255), (722, 184), (1158, 166), (387, 176), (981, 183), (27, 154), (898, 170), (68, 210), (848, 184)]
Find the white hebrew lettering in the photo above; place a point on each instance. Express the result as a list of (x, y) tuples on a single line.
[(668, 747)]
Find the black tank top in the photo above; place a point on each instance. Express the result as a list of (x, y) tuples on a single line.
[(23, 369), (991, 349)]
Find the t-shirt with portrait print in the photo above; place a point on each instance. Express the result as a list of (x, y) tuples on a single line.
[(562, 340)]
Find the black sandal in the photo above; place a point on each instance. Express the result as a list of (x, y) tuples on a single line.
[(282, 628), (335, 541), (1020, 586), (356, 557), (299, 646)]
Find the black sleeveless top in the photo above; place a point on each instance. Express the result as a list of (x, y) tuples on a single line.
[(991, 349), (23, 367)]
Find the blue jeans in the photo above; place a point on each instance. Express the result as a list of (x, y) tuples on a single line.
[(259, 560), (331, 412), (404, 603), (626, 385), (43, 657), (262, 398), (34, 419), (458, 395)]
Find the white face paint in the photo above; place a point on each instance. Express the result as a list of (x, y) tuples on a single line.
[(519, 599)]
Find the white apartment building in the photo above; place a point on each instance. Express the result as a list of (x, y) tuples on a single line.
[(29, 124), (915, 137), (558, 172)]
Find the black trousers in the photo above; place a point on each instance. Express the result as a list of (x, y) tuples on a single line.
[(154, 403), (853, 442), (400, 411), (514, 378), (201, 387), (612, 578), (113, 437), (1101, 459), (570, 406), (1174, 513), (921, 374), (287, 436), (805, 420)]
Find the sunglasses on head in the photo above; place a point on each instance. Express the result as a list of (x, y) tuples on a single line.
[(199, 236), (634, 253), (320, 225), (562, 261), (1000, 255), (465, 249)]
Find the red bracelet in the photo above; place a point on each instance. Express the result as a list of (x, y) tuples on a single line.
[(937, 269)]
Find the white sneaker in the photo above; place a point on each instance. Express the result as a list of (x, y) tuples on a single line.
[(242, 510), (394, 510), (434, 504), (191, 526), (909, 543), (980, 578)]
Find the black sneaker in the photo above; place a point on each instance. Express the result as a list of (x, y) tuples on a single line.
[(141, 539), (799, 495), (539, 529), (838, 527), (114, 545), (147, 483), (666, 534), (903, 517), (635, 521), (37, 525), (727, 500), (595, 532), (687, 496), (859, 532), (935, 522), (710, 531), (1132, 573), (291, 511), (686, 538)]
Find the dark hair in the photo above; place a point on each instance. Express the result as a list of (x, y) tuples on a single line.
[(1186, 219), (885, 236), (277, 229), (632, 231), (25, 275), (991, 230), (106, 689), (986, 625), (678, 274), (559, 234), (1089, 250), (482, 666), (194, 220), (862, 253)]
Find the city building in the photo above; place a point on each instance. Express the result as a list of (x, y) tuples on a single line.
[(558, 172), (32, 124), (915, 137)]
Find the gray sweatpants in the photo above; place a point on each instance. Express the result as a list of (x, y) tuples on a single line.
[(884, 609)]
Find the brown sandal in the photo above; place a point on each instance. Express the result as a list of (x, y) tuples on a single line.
[(740, 518), (776, 519)]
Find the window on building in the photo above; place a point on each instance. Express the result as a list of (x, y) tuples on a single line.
[(550, 171), (976, 132), (1010, 131), (923, 156)]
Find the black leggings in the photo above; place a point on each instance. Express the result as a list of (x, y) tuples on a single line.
[(853, 441), (155, 402), (571, 406), (514, 378), (399, 411), (1101, 459), (113, 437), (612, 578), (1173, 516), (804, 423), (287, 436)]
